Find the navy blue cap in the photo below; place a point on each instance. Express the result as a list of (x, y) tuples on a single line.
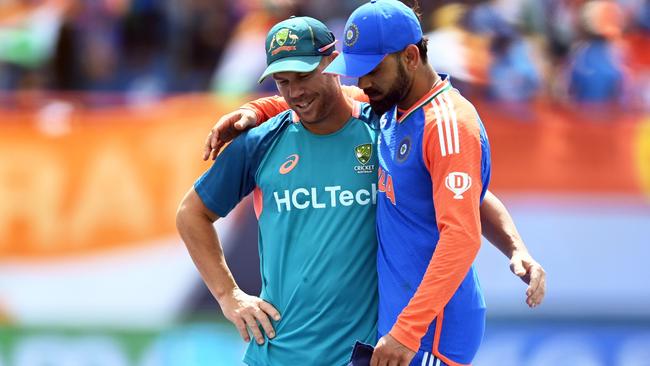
[(373, 31)]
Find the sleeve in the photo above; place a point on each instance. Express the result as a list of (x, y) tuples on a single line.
[(452, 151), (354, 93), (267, 108), (229, 180)]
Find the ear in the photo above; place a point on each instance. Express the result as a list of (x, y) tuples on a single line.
[(329, 58), (411, 57)]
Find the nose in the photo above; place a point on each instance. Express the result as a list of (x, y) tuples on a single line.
[(296, 90), (364, 82)]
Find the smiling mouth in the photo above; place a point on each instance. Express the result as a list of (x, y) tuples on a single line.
[(304, 105)]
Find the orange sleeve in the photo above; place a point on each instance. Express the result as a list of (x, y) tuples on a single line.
[(267, 108), (354, 93), (451, 150)]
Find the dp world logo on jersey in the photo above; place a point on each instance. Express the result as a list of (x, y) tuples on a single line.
[(458, 182)]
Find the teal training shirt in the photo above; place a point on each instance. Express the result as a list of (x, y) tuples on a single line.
[(315, 198)]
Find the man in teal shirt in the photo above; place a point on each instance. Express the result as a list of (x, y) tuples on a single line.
[(317, 239)]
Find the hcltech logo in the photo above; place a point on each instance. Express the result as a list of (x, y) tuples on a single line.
[(329, 196), (363, 153)]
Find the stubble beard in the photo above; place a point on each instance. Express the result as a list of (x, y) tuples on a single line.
[(396, 93)]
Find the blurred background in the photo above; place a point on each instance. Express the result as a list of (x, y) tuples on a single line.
[(105, 104)]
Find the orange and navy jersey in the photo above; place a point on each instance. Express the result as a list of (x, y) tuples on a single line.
[(434, 171)]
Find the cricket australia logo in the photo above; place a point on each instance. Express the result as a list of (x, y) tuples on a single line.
[(363, 153), (458, 183), (284, 40)]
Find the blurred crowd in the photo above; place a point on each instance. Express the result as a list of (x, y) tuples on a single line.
[(507, 50)]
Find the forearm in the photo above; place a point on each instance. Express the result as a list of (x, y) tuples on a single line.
[(498, 227), (449, 265), (202, 242), (266, 108)]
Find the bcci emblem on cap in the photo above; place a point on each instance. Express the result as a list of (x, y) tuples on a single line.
[(351, 35), (458, 183)]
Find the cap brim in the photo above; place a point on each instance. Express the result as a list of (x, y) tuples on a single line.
[(353, 65), (292, 64)]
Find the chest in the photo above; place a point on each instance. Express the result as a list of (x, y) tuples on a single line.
[(303, 171), (403, 175)]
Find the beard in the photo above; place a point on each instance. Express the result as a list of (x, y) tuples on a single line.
[(398, 91)]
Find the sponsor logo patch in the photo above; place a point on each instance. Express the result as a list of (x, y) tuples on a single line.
[(458, 183), (363, 153), (292, 161)]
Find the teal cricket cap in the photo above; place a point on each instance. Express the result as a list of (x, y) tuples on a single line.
[(297, 44)]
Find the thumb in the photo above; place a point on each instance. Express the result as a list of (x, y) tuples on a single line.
[(517, 267)]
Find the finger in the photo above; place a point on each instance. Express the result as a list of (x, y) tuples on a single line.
[(226, 122), (535, 291), (269, 309), (214, 137), (538, 295), (241, 328), (535, 278), (254, 328), (263, 319), (374, 360), (207, 148)]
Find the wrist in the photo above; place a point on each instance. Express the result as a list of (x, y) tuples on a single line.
[(253, 111), (225, 294)]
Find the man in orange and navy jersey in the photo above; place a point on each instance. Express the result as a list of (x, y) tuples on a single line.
[(434, 160)]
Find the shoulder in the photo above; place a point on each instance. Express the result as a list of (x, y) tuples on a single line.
[(366, 114), (451, 119), (451, 107), (262, 135)]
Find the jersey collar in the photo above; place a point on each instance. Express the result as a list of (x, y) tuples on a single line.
[(443, 85)]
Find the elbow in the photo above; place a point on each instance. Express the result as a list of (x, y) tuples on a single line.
[(182, 213)]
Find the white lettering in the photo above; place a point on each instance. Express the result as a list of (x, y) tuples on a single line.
[(346, 198), (374, 194), (284, 200), (294, 198), (302, 198), (362, 201), (314, 199), (333, 191)]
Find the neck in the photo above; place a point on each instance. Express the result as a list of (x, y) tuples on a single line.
[(340, 112), (425, 77)]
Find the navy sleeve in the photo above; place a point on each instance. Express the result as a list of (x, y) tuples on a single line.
[(232, 176)]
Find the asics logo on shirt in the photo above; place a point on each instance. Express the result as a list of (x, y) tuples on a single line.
[(292, 161), (327, 197)]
